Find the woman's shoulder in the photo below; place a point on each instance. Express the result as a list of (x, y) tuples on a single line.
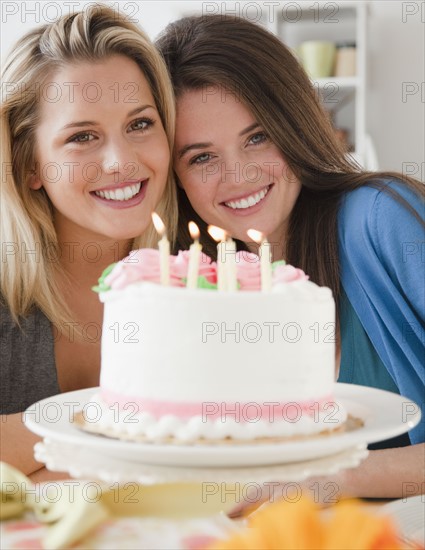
[(386, 211), (381, 196), (381, 237), (381, 226)]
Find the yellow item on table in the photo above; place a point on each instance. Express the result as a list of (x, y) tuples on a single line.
[(72, 509), (69, 521)]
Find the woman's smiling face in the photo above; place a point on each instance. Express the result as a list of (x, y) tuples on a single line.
[(101, 149), (233, 175)]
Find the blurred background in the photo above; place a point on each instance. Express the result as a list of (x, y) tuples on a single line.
[(367, 60)]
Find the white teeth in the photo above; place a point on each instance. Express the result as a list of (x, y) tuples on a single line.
[(252, 200), (121, 194)]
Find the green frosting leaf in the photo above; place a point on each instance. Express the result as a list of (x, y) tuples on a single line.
[(102, 286), (277, 264), (203, 283)]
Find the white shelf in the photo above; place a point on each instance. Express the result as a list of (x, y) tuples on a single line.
[(335, 21), (324, 4), (342, 82)]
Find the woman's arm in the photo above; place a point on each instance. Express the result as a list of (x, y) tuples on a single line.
[(17, 444), (17, 449), (386, 473)]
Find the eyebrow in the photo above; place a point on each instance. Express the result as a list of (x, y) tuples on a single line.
[(204, 145), (93, 123), (192, 146), (249, 129)]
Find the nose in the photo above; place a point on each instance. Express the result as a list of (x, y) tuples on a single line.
[(238, 170), (119, 158)]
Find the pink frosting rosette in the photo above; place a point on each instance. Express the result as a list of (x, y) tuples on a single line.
[(139, 265), (180, 266), (288, 274), (248, 270)]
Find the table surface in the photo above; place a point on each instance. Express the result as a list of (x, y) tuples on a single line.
[(178, 521)]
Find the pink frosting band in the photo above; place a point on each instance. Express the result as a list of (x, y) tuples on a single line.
[(243, 412)]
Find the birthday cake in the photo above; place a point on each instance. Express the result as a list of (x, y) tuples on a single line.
[(187, 365)]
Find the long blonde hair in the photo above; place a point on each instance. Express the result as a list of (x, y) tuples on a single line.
[(29, 241)]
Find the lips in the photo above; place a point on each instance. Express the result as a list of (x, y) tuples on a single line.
[(248, 201), (123, 195)]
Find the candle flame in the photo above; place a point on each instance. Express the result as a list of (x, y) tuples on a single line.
[(255, 235), (194, 230), (217, 233), (158, 223)]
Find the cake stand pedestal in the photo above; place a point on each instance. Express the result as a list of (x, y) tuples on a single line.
[(87, 463)]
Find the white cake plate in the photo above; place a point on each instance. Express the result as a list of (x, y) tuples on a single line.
[(84, 463), (384, 415)]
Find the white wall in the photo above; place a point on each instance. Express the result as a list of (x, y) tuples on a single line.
[(396, 39), (396, 66)]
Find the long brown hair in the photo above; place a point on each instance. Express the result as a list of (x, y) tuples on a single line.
[(219, 50)]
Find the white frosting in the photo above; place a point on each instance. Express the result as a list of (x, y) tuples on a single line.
[(201, 346), (119, 422)]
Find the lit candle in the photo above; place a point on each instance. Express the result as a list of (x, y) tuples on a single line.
[(230, 266), (164, 250), (194, 256), (220, 235), (265, 258)]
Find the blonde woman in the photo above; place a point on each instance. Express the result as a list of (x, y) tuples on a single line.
[(87, 125)]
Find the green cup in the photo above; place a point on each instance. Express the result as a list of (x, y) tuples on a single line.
[(317, 57)]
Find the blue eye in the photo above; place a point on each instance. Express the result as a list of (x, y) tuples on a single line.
[(141, 124), (259, 137), (203, 157)]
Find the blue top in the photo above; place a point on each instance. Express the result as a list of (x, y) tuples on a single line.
[(382, 256), (360, 363)]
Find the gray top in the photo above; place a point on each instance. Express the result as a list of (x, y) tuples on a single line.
[(27, 361)]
